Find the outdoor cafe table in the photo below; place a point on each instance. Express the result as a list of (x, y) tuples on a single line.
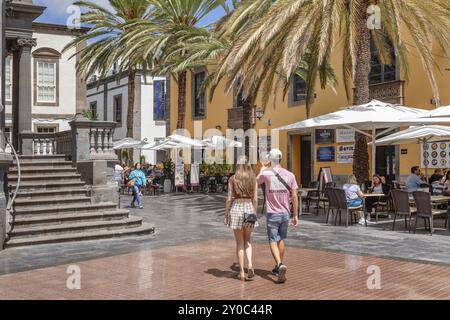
[(300, 192), (371, 195), (435, 200)]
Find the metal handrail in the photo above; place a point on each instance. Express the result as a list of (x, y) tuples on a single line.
[(12, 197)]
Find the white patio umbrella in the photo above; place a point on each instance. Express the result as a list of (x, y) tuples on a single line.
[(221, 143), (129, 143), (417, 135), (174, 142), (370, 116), (439, 112)]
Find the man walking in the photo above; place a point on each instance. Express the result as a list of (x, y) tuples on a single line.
[(280, 187)]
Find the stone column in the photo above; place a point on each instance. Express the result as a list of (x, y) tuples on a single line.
[(95, 160), (5, 159), (23, 116)]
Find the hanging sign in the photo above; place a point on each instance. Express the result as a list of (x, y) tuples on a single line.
[(325, 154), (345, 135), (324, 136)]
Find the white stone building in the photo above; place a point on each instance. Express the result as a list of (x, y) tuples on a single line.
[(57, 92), (109, 100)]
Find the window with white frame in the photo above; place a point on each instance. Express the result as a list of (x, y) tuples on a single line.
[(8, 78), (46, 81), (46, 129)]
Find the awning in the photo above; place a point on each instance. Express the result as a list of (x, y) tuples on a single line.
[(368, 117), (420, 134), (129, 143), (439, 112), (221, 143)]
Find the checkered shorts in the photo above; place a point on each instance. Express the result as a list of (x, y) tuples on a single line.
[(237, 211)]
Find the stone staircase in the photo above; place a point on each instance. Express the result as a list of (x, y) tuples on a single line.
[(53, 206)]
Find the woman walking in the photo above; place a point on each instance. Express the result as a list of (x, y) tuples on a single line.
[(240, 214), (138, 180)]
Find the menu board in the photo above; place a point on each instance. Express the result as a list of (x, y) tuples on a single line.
[(435, 155), (195, 174), (179, 175), (345, 153)]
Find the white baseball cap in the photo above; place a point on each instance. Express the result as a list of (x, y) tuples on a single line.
[(275, 154)]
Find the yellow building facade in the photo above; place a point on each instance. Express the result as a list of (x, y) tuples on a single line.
[(300, 150)]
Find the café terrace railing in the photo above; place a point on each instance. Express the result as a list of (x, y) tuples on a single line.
[(86, 140)]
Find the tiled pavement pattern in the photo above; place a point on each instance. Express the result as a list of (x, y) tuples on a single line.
[(188, 219), (205, 270)]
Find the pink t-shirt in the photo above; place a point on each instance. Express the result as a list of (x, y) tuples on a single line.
[(278, 196)]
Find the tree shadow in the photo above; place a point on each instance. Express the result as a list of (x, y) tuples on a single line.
[(234, 271)]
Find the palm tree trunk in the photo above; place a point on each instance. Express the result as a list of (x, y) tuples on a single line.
[(131, 98), (361, 93), (181, 99), (247, 116)]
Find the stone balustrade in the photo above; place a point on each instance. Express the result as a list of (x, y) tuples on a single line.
[(87, 140)]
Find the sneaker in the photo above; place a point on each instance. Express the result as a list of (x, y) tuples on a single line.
[(141, 207), (362, 222), (275, 271), (282, 270)]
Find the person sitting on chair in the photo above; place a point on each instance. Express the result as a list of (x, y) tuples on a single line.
[(354, 196)]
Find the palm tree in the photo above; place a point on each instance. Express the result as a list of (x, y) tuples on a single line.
[(199, 46), (153, 38), (275, 44), (105, 47)]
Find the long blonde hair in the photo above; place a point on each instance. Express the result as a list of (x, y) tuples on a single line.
[(244, 179)]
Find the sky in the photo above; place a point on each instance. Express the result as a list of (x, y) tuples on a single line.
[(57, 11)]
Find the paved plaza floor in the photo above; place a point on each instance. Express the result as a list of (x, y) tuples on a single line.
[(191, 256)]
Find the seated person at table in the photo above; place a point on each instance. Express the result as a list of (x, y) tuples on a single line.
[(414, 182), (446, 179), (377, 187), (354, 195), (436, 176)]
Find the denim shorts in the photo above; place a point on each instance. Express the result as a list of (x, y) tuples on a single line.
[(277, 226), (354, 203)]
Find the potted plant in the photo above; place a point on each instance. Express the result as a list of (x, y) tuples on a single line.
[(168, 172)]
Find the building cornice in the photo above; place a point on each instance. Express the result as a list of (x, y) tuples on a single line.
[(58, 29)]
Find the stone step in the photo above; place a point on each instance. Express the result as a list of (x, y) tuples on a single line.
[(64, 209), (47, 186), (51, 194), (47, 164), (34, 171), (144, 229), (39, 179), (36, 158), (55, 219), (75, 227), (57, 201)]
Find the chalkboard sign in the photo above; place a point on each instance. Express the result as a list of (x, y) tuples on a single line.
[(325, 176), (324, 136), (325, 154)]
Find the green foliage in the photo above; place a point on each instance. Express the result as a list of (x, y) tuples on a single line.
[(169, 168), (142, 160), (90, 115), (125, 156)]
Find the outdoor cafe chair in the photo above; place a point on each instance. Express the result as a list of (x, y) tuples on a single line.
[(333, 206), (426, 212), (343, 206), (383, 205), (401, 204)]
